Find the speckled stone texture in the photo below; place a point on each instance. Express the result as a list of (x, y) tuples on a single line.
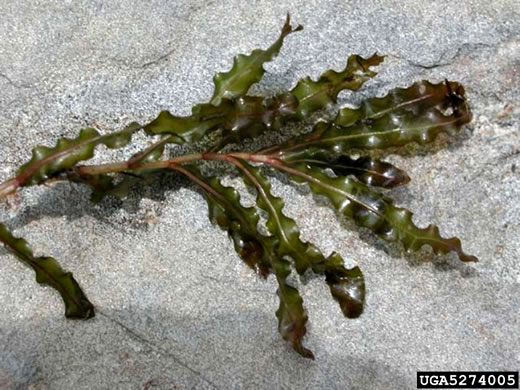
[(176, 308)]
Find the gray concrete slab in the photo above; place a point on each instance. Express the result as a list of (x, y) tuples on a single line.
[(175, 306)]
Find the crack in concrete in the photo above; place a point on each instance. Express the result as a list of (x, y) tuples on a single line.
[(193, 10), (10, 81), (156, 348), (442, 61), (159, 59), (461, 50)]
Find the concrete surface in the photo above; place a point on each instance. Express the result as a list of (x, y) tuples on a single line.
[(176, 308)]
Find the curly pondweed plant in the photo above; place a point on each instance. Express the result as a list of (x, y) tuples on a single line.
[(319, 158)]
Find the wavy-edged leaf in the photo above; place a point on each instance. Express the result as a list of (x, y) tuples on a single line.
[(307, 97), (49, 272), (370, 171), (249, 115), (418, 99), (313, 95), (375, 211), (244, 117), (226, 211), (280, 226), (258, 251), (347, 285), (248, 69), (47, 162), (204, 118), (292, 318), (415, 114)]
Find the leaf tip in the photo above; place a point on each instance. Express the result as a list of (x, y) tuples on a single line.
[(468, 258), (287, 28), (305, 352), (81, 313)]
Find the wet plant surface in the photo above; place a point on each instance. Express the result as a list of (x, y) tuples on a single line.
[(357, 187)]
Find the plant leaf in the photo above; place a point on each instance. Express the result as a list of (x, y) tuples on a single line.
[(204, 118), (48, 162), (258, 251), (249, 114), (280, 226), (244, 117), (249, 69), (375, 211), (222, 111), (347, 285), (418, 99), (307, 97), (415, 114), (292, 318), (366, 169), (313, 95), (49, 272), (238, 221)]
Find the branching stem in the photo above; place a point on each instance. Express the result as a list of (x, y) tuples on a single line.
[(11, 186)]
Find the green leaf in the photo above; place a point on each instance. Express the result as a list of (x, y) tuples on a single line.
[(238, 221), (258, 251), (419, 99), (313, 95), (415, 114), (48, 162), (347, 286), (223, 111), (366, 169), (251, 118), (375, 211), (280, 226), (204, 118), (248, 70), (49, 272), (292, 318), (243, 117), (246, 116)]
